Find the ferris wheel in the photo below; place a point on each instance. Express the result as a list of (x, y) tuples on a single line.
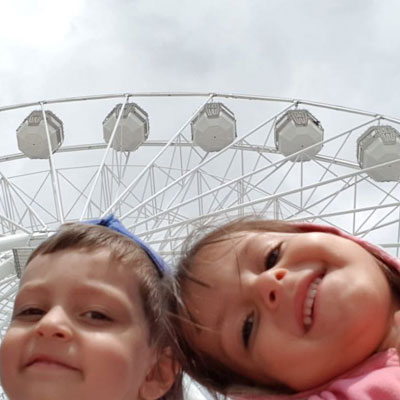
[(167, 163)]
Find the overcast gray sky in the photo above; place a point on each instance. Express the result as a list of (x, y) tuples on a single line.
[(334, 51), (342, 52)]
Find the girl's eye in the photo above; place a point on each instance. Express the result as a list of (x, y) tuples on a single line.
[(97, 315), (247, 329), (272, 257)]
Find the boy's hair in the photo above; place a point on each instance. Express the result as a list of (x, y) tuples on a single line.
[(154, 290), (203, 367)]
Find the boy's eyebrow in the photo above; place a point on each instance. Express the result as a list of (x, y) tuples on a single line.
[(98, 288)]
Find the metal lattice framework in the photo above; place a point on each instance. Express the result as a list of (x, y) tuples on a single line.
[(169, 186)]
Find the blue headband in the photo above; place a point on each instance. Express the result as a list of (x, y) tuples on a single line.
[(116, 225)]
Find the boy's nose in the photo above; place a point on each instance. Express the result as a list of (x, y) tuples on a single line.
[(54, 324), (268, 287)]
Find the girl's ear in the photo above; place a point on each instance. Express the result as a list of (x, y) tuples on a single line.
[(160, 377)]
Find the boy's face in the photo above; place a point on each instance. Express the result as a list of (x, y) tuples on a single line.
[(78, 331), (297, 309)]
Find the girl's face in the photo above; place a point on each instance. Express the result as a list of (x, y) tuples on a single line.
[(284, 308)]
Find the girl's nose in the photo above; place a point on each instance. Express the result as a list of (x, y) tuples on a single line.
[(268, 287), (55, 324)]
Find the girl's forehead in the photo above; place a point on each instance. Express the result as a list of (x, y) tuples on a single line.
[(230, 247), (242, 237)]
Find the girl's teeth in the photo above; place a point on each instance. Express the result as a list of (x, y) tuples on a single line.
[(308, 304), (307, 321)]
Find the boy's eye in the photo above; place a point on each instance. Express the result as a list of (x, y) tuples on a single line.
[(272, 257), (29, 313), (97, 315), (247, 329)]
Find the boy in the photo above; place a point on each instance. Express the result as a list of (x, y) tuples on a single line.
[(89, 320)]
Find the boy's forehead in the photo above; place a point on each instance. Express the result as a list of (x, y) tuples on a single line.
[(76, 273), (89, 263)]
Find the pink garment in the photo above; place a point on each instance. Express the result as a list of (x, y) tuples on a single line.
[(378, 378)]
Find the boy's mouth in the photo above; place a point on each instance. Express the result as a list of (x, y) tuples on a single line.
[(308, 307), (48, 361)]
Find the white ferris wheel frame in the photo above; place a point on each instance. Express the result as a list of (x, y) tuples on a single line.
[(180, 187)]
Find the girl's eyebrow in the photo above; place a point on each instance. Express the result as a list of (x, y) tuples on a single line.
[(241, 253), (220, 319)]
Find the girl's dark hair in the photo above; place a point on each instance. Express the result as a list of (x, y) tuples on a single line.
[(203, 367), (155, 291)]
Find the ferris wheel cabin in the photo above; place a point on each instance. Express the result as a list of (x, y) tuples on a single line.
[(377, 145), (32, 137)]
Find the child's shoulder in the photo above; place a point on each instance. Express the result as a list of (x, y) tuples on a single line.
[(376, 378)]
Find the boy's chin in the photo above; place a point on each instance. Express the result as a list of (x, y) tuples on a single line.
[(40, 392)]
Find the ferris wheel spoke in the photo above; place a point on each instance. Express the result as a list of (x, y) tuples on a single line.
[(261, 155), (76, 194), (378, 226), (326, 170), (28, 208), (200, 165), (101, 165), (53, 171), (14, 224), (373, 212), (381, 223), (157, 156), (33, 200)]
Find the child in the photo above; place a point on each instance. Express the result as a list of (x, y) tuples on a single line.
[(89, 320), (277, 310)]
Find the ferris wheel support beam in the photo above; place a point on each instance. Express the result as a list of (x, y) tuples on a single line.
[(100, 169), (311, 186), (326, 171), (307, 187), (270, 197), (378, 226), (23, 200), (10, 221), (119, 198), (54, 177), (206, 161), (328, 199), (298, 219), (274, 165), (345, 212), (7, 268), (387, 194), (25, 239), (11, 241), (339, 213)]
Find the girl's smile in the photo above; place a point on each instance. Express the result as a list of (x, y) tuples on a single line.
[(305, 300)]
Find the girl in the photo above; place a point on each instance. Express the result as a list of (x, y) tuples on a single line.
[(290, 311)]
